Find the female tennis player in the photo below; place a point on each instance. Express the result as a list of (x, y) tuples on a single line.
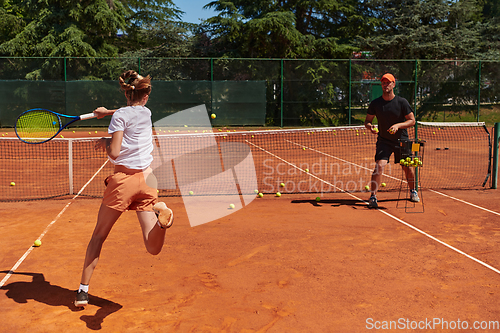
[(132, 186)]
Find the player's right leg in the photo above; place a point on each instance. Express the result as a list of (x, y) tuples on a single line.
[(105, 221), (375, 181)]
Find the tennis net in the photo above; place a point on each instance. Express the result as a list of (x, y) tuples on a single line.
[(313, 160)]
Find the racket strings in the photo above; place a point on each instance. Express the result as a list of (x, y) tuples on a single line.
[(37, 126)]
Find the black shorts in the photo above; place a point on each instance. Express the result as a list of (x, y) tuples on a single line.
[(385, 149)]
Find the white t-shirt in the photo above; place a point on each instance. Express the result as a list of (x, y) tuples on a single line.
[(137, 144)]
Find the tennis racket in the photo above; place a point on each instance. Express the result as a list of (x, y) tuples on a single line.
[(41, 125)]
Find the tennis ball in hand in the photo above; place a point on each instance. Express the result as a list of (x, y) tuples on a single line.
[(213, 116), (278, 194), (383, 184), (231, 206), (256, 191), (37, 243)]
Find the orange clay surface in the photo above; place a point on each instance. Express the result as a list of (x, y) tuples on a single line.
[(287, 264)]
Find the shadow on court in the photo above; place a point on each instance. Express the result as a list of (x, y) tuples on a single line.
[(42, 291), (356, 204)]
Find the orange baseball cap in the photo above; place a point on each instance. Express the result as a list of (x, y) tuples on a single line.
[(389, 77)]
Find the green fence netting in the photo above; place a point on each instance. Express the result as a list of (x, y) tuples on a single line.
[(272, 92)]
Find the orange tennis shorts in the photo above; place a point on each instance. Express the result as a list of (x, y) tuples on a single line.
[(129, 189)]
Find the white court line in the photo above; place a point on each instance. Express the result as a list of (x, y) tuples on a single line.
[(20, 261), (401, 180), (465, 202), (390, 215)]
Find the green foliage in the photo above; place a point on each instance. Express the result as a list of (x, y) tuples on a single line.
[(431, 29), (283, 29)]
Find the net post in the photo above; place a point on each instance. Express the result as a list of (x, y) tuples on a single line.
[(70, 165), (496, 138)]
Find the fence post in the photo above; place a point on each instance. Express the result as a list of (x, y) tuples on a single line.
[(496, 138), (479, 91), (281, 94), (212, 85), (350, 89)]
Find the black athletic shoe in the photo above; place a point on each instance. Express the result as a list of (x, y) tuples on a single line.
[(372, 203), (82, 298)]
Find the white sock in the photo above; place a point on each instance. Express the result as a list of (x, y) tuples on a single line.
[(84, 287)]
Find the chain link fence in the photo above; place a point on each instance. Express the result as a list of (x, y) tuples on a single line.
[(256, 92)]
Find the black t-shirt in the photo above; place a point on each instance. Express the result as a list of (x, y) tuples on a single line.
[(389, 113)]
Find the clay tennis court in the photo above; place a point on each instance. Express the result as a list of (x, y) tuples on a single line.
[(280, 264), (287, 264)]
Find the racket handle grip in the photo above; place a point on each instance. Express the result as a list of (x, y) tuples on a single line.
[(88, 116)]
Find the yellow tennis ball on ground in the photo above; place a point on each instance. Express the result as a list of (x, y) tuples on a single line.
[(261, 195), (383, 184), (12, 184), (37, 243), (231, 206), (278, 194), (213, 116)]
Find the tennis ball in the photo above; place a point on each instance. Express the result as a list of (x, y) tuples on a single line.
[(191, 193), (231, 206), (376, 130), (37, 243), (383, 184), (303, 148), (256, 191), (401, 161), (12, 184), (367, 187), (213, 116), (318, 199), (282, 184), (261, 195), (278, 194), (306, 170)]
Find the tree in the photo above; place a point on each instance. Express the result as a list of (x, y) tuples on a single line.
[(86, 28), (287, 28), (425, 29)]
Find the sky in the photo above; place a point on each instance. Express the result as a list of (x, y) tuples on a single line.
[(193, 10)]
